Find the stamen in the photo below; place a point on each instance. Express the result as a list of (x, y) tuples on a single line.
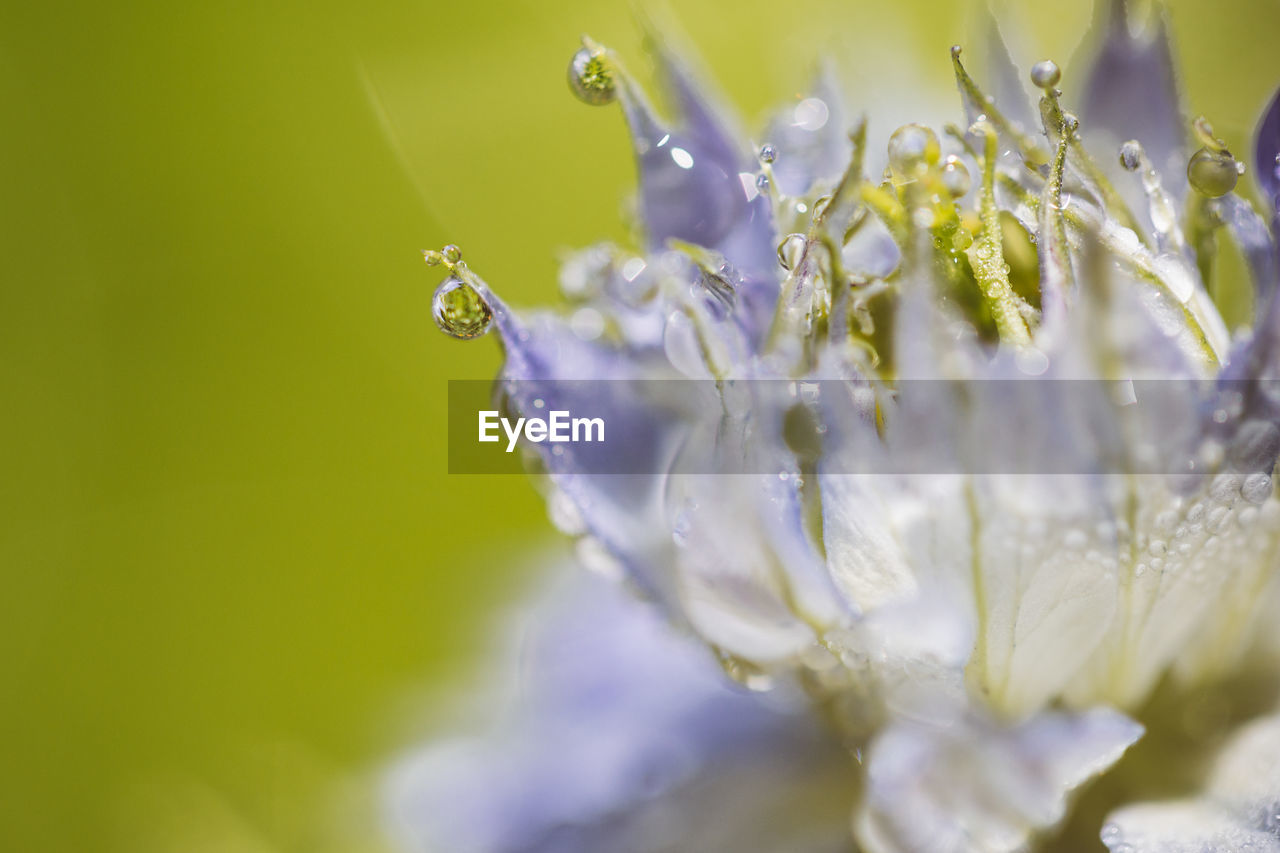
[(986, 255)]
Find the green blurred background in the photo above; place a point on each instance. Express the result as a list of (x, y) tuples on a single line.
[(235, 575)]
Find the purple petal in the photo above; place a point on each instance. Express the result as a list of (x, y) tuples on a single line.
[(624, 736), (621, 511), (1132, 93), (1255, 241), (809, 151), (691, 190)]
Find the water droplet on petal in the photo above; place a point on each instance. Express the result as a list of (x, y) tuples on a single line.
[(1212, 173), (768, 154), (590, 77), (452, 253), (459, 310), (789, 250), (955, 176), (1031, 361), (812, 114), (913, 148), (564, 514), (1256, 488), (433, 258)]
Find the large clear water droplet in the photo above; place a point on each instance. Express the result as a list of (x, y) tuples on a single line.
[(1212, 173), (1046, 74), (955, 176), (913, 148), (459, 310), (590, 77)]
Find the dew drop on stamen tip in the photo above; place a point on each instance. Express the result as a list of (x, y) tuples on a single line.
[(459, 311), (591, 79), (913, 148), (1046, 74)]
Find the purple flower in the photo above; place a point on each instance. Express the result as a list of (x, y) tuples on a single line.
[(985, 487)]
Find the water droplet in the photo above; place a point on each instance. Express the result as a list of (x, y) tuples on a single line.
[(452, 253), (432, 257), (1031, 361), (768, 153), (1218, 519), (590, 77), (746, 673), (1212, 173), (587, 324), (762, 183), (1256, 446), (1075, 539), (1131, 155), (459, 310), (595, 557), (913, 148), (1046, 74), (790, 250), (1256, 488), (1070, 123), (955, 51), (564, 514), (955, 176), (812, 114)]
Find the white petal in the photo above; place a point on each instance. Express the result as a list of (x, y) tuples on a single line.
[(980, 787)]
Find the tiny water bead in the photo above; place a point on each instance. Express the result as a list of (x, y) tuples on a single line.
[(459, 310), (913, 148), (1131, 155), (790, 250), (1046, 74), (1213, 172), (451, 253), (955, 176), (433, 258), (768, 154), (590, 77)]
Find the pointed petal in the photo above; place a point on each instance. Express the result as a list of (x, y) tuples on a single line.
[(1239, 809), (1006, 82), (811, 137), (690, 191), (1254, 239), (1131, 92)]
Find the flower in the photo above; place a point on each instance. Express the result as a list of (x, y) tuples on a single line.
[(985, 495)]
